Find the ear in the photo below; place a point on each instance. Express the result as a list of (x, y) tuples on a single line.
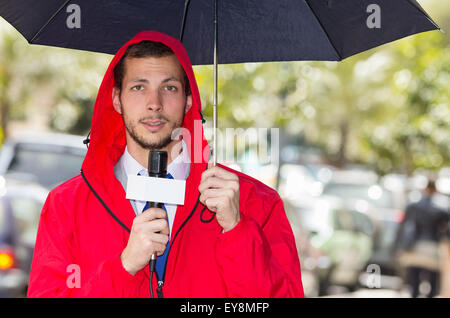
[(116, 100), (188, 103)]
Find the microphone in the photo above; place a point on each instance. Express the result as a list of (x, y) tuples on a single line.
[(157, 167)]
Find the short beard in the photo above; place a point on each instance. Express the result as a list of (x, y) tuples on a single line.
[(160, 144), (156, 145)]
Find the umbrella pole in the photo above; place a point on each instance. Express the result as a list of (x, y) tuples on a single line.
[(215, 87)]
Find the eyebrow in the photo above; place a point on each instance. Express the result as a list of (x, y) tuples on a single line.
[(143, 80)]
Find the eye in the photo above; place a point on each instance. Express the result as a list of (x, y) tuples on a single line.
[(137, 88), (171, 88)]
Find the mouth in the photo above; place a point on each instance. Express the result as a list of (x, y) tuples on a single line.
[(154, 125)]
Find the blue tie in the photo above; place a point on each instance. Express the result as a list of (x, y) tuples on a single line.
[(161, 260)]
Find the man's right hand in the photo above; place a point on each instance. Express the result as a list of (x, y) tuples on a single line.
[(149, 234)]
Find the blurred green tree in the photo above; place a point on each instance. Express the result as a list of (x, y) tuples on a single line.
[(387, 108), (22, 74), (58, 85)]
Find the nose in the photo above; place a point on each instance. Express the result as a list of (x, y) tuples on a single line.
[(154, 101)]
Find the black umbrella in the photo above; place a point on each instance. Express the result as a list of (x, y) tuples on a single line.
[(226, 31)]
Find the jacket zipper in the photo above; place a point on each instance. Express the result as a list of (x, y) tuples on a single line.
[(159, 290)]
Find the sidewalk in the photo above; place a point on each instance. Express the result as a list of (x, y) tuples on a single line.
[(373, 293)]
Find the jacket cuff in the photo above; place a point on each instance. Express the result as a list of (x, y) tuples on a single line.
[(122, 280)]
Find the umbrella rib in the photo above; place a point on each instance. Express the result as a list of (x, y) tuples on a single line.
[(415, 4), (324, 31), (183, 22), (48, 21)]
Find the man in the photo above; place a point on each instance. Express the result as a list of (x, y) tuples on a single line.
[(93, 242), (418, 241)]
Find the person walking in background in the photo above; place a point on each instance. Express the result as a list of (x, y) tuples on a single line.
[(444, 250), (418, 240)]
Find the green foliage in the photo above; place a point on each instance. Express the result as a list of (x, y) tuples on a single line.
[(387, 108), (46, 86)]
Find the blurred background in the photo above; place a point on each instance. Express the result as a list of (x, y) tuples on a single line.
[(359, 142)]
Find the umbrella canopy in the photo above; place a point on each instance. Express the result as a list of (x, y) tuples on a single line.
[(248, 30)]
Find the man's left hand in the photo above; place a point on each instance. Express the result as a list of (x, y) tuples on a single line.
[(219, 192)]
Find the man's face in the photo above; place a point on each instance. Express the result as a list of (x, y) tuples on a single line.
[(152, 100)]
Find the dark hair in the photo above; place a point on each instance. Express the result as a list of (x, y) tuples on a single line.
[(431, 186), (145, 49)]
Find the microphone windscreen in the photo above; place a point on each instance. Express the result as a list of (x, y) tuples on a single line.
[(157, 163)]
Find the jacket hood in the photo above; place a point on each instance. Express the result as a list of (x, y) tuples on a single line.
[(107, 140)]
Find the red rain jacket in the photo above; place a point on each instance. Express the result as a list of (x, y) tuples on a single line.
[(78, 246)]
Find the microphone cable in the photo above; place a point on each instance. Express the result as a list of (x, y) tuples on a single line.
[(161, 282)]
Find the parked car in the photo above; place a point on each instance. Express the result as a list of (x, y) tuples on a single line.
[(385, 208), (342, 234), (384, 252), (44, 158), (373, 193), (303, 183), (20, 208), (311, 258)]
